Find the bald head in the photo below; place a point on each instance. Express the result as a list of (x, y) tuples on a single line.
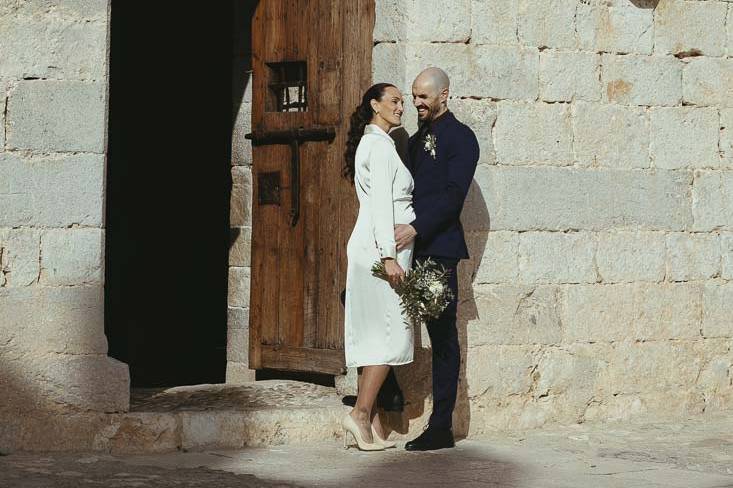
[(430, 92)]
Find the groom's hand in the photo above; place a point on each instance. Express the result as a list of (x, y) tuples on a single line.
[(404, 235)]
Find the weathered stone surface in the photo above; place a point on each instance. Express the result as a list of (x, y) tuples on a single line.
[(237, 344), (511, 368), (544, 130), (494, 22), (561, 199), (684, 137), (49, 46), (3, 105), (514, 315), (139, 432), (19, 257), (726, 137), (69, 9), (390, 20), (567, 76), (53, 191), (557, 257), (622, 28), (729, 30), (43, 320), (56, 116), (726, 246), (718, 309), (241, 147), (430, 20), (389, 62), (240, 206), (552, 25), (692, 256), (237, 318), (72, 257), (690, 27), (708, 81), (641, 80), (712, 201), (240, 247), (239, 373), (499, 262), (611, 135), (238, 287), (630, 256), (480, 116), (496, 71), (627, 312)]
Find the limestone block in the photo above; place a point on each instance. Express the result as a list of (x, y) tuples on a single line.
[(515, 315), (544, 198), (52, 47), (718, 309), (72, 257), (544, 130), (42, 320), (140, 433), (641, 80), (567, 372), (611, 135), (3, 104), (729, 30), (685, 137), (389, 61), (693, 256), (494, 22), (623, 312), (240, 206), (712, 200), (347, 384), (68, 9), (726, 245), (242, 147), (237, 318), (499, 72), (690, 27), (240, 246), (239, 287), (726, 137), (239, 373), (708, 81), (390, 20), (56, 191), (567, 76), (550, 25), (19, 257), (57, 116), (430, 20), (480, 116), (499, 262), (557, 257), (623, 28), (631, 256), (510, 366)]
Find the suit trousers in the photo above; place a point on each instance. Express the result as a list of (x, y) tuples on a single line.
[(446, 351)]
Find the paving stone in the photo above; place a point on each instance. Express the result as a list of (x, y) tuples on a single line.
[(690, 27), (641, 80), (694, 132), (568, 76)]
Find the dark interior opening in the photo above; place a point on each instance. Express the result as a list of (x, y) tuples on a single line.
[(172, 68)]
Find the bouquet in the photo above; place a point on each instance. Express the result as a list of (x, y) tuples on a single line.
[(424, 293)]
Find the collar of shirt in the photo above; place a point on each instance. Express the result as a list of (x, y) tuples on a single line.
[(375, 129)]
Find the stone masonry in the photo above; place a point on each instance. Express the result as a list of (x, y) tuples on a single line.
[(53, 104), (600, 220)]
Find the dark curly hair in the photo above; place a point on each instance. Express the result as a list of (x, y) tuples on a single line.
[(359, 119)]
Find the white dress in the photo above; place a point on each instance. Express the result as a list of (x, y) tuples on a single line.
[(376, 332)]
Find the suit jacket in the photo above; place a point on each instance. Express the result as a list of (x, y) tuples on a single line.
[(441, 186)]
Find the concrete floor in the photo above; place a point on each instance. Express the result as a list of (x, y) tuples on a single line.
[(696, 453)]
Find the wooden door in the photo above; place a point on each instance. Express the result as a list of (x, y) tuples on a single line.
[(312, 62)]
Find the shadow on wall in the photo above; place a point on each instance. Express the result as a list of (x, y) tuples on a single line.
[(645, 3)]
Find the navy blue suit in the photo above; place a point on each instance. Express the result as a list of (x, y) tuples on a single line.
[(441, 186)]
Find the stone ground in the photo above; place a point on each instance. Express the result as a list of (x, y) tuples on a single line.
[(696, 453)]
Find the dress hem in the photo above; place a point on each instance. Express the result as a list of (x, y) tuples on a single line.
[(379, 364)]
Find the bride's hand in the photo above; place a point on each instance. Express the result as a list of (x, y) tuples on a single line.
[(395, 273)]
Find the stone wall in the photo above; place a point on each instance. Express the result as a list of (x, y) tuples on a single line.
[(53, 105), (600, 220)]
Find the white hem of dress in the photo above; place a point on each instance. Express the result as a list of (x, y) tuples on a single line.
[(379, 364)]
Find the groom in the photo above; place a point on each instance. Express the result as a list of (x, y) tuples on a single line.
[(443, 156)]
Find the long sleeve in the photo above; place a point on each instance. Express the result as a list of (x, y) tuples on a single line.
[(447, 205), (382, 172)]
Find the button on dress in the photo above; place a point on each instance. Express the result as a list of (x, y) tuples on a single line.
[(376, 331)]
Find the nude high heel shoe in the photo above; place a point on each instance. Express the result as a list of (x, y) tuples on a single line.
[(387, 444), (350, 427)]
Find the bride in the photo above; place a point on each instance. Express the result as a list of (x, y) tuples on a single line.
[(377, 335)]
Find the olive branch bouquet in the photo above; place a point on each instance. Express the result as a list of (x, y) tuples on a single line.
[(424, 293)]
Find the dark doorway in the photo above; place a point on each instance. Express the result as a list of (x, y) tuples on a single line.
[(168, 185)]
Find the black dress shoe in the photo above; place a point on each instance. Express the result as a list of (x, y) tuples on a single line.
[(433, 438)]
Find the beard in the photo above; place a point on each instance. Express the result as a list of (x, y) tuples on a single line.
[(423, 124)]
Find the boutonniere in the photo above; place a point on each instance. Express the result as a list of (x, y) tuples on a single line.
[(430, 144)]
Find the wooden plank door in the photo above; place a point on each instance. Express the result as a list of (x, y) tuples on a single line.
[(312, 62)]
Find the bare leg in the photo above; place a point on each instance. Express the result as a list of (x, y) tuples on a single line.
[(371, 379)]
